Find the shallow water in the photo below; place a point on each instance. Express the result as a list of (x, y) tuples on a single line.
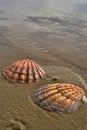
[(51, 32), (55, 27)]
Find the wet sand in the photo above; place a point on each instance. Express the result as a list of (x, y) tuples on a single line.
[(55, 38), (18, 110)]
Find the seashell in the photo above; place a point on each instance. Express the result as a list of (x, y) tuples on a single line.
[(24, 71), (60, 97)]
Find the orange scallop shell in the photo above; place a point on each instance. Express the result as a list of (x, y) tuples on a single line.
[(59, 97), (24, 71)]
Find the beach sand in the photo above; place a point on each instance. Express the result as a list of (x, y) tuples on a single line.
[(17, 108), (53, 33)]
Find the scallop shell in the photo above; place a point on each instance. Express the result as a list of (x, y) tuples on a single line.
[(23, 71), (59, 97)]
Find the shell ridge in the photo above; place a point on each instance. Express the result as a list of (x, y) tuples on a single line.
[(30, 77), (53, 99), (19, 70), (46, 86), (35, 74), (44, 96), (19, 67), (47, 90), (39, 72)]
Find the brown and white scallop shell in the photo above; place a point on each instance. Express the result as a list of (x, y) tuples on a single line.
[(23, 71), (60, 97)]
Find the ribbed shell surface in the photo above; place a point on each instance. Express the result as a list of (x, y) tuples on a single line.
[(23, 71), (59, 97)]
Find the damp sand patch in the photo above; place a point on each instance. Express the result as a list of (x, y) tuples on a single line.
[(30, 116), (64, 75)]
